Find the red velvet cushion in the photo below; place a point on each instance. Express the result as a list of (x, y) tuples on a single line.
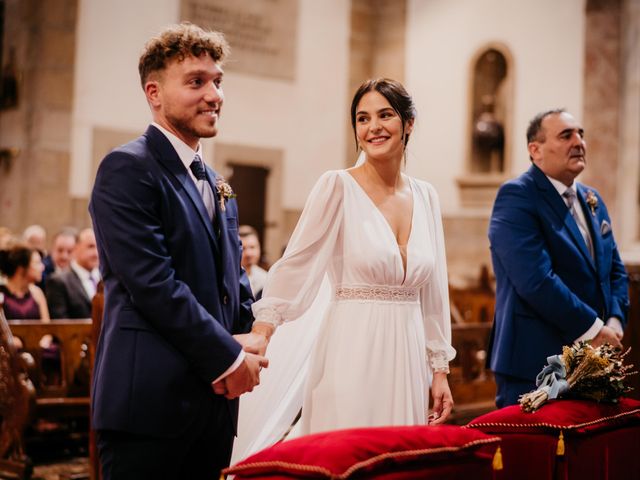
[(575, 416), (369, 452)]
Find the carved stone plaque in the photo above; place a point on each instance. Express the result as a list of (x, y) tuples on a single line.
[(262, 33)]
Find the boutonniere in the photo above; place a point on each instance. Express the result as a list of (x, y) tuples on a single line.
[(225, 192), (592, 201)]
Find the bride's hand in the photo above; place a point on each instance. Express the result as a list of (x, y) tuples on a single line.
[(442, 399), (257, 340)]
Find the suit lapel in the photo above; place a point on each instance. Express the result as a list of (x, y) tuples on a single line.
[(167, 156), (78, 286), (551, 196)]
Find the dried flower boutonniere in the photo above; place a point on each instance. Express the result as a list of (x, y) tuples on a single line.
[(225, 192), (592, 201)]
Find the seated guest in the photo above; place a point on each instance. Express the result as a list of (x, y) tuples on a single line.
[(35, 237), (69, 293), (22, 267), (59, 260), (251, 254)]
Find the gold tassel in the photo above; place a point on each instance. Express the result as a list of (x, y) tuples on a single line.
[(497, 460), (560, 449)]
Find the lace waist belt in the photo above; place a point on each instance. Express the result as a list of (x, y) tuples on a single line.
[(378, 294)]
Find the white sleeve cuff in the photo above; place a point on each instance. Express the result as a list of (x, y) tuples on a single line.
[(592, 332), (268, 315), (234, 366)]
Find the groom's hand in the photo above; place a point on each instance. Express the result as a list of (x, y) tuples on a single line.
[(256, 341), (243, 378)]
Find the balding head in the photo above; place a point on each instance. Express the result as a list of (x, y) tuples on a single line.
[(85, 252)]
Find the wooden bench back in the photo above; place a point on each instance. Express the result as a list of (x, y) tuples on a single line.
[(74, 338)]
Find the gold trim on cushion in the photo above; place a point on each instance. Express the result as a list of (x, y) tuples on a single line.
[(550, 425), (237, 470)]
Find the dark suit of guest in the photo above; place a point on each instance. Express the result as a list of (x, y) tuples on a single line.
[(174, 296), (66, 296), (549, 289)]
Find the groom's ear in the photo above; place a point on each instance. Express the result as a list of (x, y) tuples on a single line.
[(152, 92)]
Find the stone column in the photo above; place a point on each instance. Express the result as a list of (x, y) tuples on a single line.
[(601, 116), (36, 188)]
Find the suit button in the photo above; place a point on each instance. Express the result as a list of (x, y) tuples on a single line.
[(225, 299)]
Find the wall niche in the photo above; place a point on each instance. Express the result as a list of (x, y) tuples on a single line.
[(488, 126)]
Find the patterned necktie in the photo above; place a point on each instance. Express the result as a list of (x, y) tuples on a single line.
[(571, 198), (197, 168)]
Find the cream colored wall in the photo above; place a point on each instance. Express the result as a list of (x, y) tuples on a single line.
[(546, 40), (304, 118)]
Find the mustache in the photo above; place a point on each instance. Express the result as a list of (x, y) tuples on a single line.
[(577, 152)]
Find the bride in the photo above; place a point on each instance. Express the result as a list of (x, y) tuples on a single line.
[(365, 275)]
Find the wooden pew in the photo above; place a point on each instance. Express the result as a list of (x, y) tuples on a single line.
[(61, 414), (16, 405), (472, 385), (70, 395), (476, 303)]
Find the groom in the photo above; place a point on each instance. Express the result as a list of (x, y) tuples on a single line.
[(170, 362)]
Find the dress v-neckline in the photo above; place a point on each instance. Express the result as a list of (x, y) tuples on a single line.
[(403, 260)]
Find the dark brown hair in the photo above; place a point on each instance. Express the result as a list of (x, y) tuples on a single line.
[(535, 125), (16, 256), (395, 94), (177, 42)]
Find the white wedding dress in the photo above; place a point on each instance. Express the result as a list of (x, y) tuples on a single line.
[(361, 353)]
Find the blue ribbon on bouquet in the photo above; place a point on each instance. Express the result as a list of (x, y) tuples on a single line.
[(553, 378)]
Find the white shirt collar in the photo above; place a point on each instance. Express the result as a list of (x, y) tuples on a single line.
[(184, 151), (83, 273), (561, 187)]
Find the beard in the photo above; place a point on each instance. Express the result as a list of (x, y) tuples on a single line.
[(193, 126)]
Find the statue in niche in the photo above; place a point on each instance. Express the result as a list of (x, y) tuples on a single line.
[(488, 113), (488, 139)]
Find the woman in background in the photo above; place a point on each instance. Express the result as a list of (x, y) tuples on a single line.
[(22, 267)]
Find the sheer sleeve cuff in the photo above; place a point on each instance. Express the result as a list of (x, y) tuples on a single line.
[(438, 361), (439, 354), (270, 316)]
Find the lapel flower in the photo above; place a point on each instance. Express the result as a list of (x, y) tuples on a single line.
[(592, 201), (225, 192)]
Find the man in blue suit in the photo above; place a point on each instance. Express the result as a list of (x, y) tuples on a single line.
[(559, 277), (174, 353)]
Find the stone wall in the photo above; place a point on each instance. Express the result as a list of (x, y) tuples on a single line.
[(35, 188)]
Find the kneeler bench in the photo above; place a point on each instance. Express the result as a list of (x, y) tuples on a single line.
[(567, 440), (444, 452)]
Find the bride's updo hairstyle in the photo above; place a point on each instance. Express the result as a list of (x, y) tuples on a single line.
[(395, 94)]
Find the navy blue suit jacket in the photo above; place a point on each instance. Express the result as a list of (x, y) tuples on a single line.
[(174, 292), (549, 290)]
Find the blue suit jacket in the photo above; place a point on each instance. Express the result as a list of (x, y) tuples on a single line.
[(174, 292), (549, 290)]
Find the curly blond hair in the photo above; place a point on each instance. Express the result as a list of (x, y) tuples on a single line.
[(177, 42)]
